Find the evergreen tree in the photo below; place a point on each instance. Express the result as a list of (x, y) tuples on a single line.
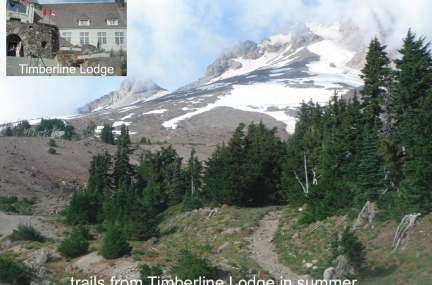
[(352, 248), (191, 266), (146, 271), (107, 135), (374, 74), (114, 243), (8, 132), (75, 245), (123, 170), (370, 182), (413, 75)]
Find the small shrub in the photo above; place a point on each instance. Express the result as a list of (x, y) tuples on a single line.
[(26, 232), (146, 271), (191, 266), (111, 264), (114, 243), (73, 246), (51, 142), (51, 150), (13, 272), (352, 248)]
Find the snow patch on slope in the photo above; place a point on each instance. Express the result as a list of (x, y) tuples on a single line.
[(332, 32), (250, 98), (327, 76)]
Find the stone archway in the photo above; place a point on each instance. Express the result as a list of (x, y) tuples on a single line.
[(14, 39)]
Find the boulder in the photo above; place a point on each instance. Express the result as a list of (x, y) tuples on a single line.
[(225, 206), (295, 235), (238, 229), (224, 247), (47, 282), (328, 273), (228, 231), (65, 280), (238, 243), (153, 240), (270, 239), (163, 245), (42, 258), (252, 271), (308, 265), (221, 273), (205, 211), (315, 261), (300, 209)]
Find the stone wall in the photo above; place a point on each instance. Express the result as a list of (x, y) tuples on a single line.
[(33, 36)]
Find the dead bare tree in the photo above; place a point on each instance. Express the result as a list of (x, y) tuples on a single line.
[(305, 189), (359, 216), (404, 229)]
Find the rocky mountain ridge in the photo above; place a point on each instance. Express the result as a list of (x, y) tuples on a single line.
[(129, 92)]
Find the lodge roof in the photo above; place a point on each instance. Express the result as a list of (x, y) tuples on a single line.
[(67, 14)]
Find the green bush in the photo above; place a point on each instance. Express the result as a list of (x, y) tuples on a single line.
[(352, 248), (146, 271), (114, 243), (52, 142), (13, 272), (191, 266), (51, 150), (7, 208), (73, 246), (26, 232), (8, 200)]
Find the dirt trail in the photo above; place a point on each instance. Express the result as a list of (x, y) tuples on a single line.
[(262, 248)]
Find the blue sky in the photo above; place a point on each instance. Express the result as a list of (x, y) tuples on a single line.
[(173, 42)]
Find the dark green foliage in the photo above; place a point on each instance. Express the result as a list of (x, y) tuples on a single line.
[(76, 244), (83, 208), (51, 150), (123, 170), (26, 232), (144, 140), (161, 177), (352, 248), (90, 129), (7, 208), (8, 132), (146, 271), (69, 132), (13, 272), (114, 243), (247, 171), (51, 142), (334, 247), (370, 179), (107, 135), (8, 200), (374, 74), (191, 266), (19, 130)]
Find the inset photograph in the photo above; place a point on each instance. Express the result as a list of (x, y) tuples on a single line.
[(68, 38)]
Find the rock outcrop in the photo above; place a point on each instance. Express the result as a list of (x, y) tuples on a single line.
[(130, 91)]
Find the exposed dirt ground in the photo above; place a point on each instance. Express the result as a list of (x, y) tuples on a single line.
[(262, 248), (27, 169)]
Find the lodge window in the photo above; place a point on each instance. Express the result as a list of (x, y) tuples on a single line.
[(119, 38), (84, 22), (67, 36), (84, 38), (112, 22), (102, 38)]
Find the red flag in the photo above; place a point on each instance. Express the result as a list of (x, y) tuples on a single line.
[(44, 11), (52, 13)]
